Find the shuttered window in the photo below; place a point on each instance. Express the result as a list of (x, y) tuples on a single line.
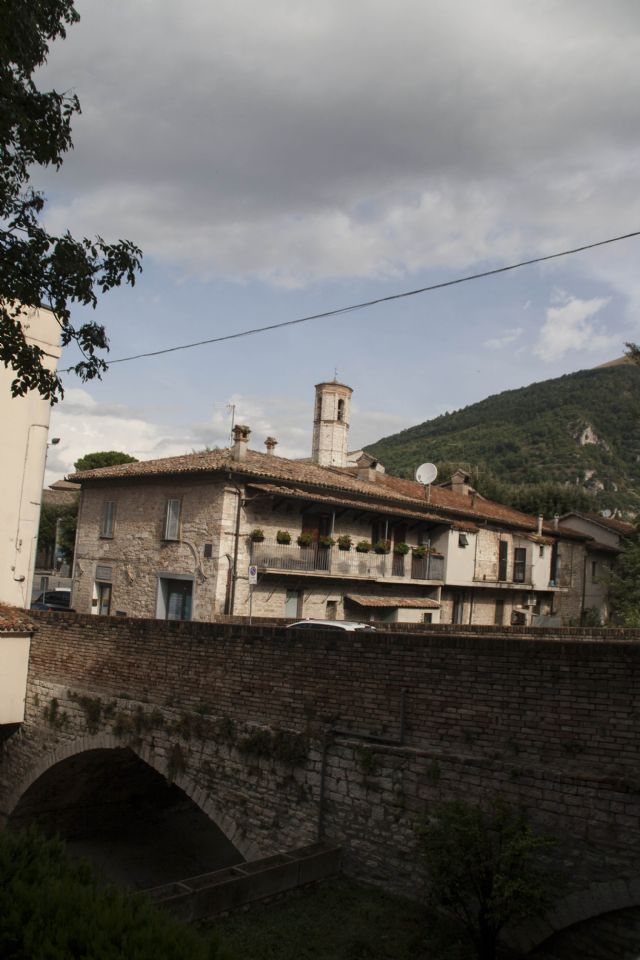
[(108, 519), (172, 520)]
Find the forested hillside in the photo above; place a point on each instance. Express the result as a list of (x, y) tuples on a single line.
[(581, 431)]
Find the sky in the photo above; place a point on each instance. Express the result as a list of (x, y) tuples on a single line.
[(283, 159)]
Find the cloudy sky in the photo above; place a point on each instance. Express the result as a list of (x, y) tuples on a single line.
[(278, 160)]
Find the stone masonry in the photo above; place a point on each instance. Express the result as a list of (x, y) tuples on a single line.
[(281, 738)]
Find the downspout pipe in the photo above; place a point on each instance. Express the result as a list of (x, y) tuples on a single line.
[(236, 545)]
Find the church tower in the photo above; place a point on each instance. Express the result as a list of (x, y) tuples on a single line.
[(331, 424)]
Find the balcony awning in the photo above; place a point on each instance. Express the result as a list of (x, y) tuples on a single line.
[(422, 603)]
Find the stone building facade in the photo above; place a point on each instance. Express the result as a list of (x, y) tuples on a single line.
[(238, 532)]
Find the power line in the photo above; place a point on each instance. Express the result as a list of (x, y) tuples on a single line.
[(370, 303)]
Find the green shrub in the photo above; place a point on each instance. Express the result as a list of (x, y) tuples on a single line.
[(486, 869), (55, 909)]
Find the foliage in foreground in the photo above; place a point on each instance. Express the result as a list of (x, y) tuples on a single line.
[(37, 268), (485, 870), (55, 909)]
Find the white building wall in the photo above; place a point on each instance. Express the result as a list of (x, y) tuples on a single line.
[(25, 430), (14, 663)]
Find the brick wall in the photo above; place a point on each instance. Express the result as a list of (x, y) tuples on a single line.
[(549, 722)]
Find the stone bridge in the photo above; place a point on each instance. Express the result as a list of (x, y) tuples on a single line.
[(283, 739)]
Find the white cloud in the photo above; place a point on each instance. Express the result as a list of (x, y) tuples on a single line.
[(247, 141), (85, 426), (509, 336), (569, 326)]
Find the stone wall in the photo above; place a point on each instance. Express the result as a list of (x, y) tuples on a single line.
[(246, 719)]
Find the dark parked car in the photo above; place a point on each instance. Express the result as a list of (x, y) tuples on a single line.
[(53, 600)]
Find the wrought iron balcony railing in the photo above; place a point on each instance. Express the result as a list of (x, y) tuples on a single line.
[(347, 563)]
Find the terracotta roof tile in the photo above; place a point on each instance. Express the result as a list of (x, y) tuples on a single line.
[(265, 468), (14, 619), (420, 603)]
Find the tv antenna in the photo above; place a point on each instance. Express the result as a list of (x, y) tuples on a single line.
[(426, 474)]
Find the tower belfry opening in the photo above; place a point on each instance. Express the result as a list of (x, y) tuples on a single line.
[(331, 424)]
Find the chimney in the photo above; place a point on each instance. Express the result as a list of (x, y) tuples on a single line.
[(556, 520), (240, 441), (271, 443), (367, 469), (460, 483), (540, 522)]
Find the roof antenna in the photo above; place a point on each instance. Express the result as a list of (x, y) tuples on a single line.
[(231, 407), (335, 374)]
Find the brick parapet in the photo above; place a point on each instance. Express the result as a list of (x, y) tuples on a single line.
[(547, 721)]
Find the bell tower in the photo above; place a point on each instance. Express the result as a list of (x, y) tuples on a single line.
[(331, 424)]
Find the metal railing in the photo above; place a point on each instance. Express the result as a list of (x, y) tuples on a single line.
[(519, 573), (347, 563)]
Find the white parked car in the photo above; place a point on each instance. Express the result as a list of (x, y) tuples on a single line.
[(341, 625)]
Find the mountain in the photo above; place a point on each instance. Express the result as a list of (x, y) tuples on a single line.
[(582, 429)]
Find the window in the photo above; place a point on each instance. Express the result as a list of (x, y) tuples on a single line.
[(458, 608), (502, 560), (175, 596), (172, 521), (427, 618), (340, 409), (541, 551), (499, 615), (293, 604), (108, 519), (332, 610), (594, 570), (519, 564), (104, 598), (463, 540)]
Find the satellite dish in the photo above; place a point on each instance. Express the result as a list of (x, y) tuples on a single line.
[(426, 473)]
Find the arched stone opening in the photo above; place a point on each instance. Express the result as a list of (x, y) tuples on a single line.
[(114, 809), (592, 905)]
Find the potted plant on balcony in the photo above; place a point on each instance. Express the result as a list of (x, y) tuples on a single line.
[(325, 541), (283, 536), (344, 542), (420, 552), (363, 546), (257, 535), (305, 539), (382, 546), (401, 549)]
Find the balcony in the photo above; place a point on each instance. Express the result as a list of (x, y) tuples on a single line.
[(519, 575), (333, 562)]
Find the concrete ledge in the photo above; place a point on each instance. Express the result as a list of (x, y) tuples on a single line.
[(222, 890)]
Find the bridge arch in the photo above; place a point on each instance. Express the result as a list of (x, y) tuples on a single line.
[(104, 742), (594, 901)]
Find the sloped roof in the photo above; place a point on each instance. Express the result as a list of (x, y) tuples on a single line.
[(420, 603), (14, 619), (621, 527), (377, 493)]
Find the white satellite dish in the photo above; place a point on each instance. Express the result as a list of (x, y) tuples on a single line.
[(426, 473)]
